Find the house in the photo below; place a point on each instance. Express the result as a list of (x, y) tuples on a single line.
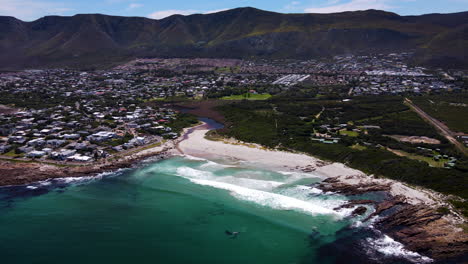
[(25, 149), (80, 158), (47, 150), (55, 143), (101, 136), (133, 125), (71, 136), (5, 148), (38, 142), (17, 140), (45, 131), (138, 141), (36, 154), (62, 154), (170, 135)]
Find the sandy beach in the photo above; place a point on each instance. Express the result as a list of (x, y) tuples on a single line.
[(195, 144)]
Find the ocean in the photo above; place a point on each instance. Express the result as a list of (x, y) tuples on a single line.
[(185, 210)]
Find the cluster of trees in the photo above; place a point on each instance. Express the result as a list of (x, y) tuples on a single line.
[(182, 121), (277, 124)]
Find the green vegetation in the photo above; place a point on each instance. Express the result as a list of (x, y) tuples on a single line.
[(182, 121), (229, 34), (462, 206), (358, 147), (443, 210), (429, 160), (247, 96), (452, 109), (348, 133), (290, 128)]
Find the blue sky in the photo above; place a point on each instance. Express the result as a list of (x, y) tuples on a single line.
[(29, 10)]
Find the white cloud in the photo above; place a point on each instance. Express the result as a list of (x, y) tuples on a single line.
[(30, 9), (353, 5), (134, 6), (292, 5), (170, 12)]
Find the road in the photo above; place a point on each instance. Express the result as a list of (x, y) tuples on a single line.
[(441, 127)]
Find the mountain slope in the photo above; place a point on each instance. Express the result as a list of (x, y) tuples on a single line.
[(96, 40)]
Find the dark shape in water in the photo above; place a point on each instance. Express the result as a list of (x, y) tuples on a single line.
[(233, 234)]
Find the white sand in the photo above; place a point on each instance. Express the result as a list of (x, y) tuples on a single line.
[(198, 146)]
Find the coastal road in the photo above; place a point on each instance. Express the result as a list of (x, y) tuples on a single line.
[(441, 127)]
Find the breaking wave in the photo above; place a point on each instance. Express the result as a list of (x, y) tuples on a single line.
[(265, 192), (388, 247), (263, 198)]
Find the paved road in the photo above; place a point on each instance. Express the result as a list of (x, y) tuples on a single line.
[(441, 127)]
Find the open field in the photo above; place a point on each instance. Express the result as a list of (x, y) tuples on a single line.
[(247, 96), (449, 109), (443, 129), (345, 132), (428, 160)]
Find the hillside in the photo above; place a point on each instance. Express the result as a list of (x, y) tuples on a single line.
[(94, 40)]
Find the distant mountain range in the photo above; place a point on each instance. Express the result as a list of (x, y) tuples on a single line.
[(94, 40)]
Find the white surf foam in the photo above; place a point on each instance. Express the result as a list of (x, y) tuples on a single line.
[(263, 198), (296, 176), (191, 173), (315, 191), (31, 187), (391, 248), (302, 192), (79, 180), (193, 158), (214, 166), (251, 183)]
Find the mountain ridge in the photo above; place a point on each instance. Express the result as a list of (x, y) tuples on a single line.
[(98, 40)]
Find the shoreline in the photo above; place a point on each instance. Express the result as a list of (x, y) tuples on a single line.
[(411, 215), (14, 173), (197, 145)]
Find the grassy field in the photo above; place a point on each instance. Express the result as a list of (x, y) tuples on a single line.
[(358, 147), (247, 96), (450, 109), (428, 160), (345, 132)]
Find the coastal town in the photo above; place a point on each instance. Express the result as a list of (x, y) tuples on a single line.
[(84, 116), (328, 131)]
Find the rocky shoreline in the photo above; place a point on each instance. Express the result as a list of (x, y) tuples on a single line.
[(410, 218), (420, 227), (20, 173), (24, 173)]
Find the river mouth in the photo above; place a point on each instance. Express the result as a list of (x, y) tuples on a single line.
[(178, 211)]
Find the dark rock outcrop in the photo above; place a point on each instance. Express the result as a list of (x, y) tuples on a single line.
[(359, 211), (421, 228)]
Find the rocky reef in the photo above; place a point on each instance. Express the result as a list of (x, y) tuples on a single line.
[(420, 227)]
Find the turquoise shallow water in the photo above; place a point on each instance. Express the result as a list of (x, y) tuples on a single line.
[(177, 211)]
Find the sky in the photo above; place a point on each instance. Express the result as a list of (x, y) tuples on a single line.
[(29, 10)]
